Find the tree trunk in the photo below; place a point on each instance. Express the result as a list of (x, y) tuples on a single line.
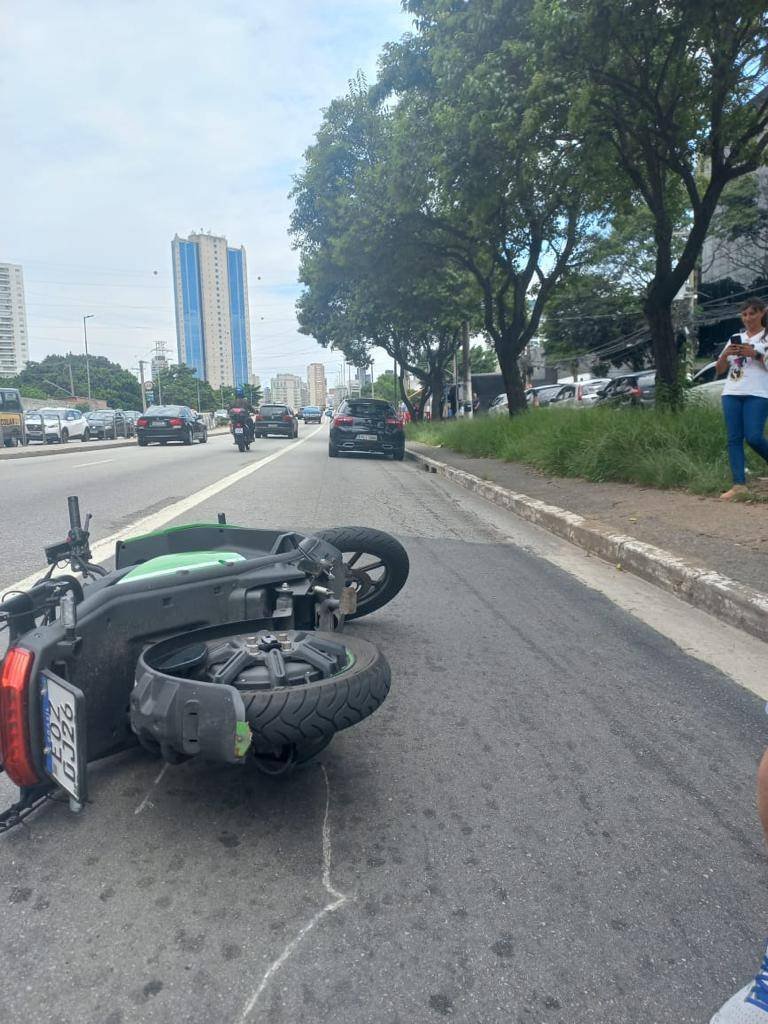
[(513, 381), (658, 313), (436, 388)]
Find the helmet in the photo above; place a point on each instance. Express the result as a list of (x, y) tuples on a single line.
[(239, 392)]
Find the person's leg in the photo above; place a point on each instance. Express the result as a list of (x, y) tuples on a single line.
[(734, 426), (755, 415)]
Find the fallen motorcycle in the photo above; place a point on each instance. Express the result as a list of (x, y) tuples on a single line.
[(207, 641)]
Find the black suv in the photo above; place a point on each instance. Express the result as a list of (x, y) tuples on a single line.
[(276, 419), (367, 425)]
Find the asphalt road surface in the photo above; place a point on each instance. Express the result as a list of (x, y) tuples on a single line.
[(549, 821)]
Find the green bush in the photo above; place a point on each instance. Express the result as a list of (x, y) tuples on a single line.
[(641, 446)]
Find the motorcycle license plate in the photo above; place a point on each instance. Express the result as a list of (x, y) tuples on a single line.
[(238, 430), (63, 707), (367, 437)]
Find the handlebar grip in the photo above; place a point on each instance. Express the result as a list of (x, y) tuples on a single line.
[(75, 522)]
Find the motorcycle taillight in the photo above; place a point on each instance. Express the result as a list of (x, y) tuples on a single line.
[(15, 751)]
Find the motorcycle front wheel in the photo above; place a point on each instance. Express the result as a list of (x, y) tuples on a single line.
[(376, 564)]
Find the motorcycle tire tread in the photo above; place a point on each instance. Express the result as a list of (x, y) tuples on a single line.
[(313, 711)]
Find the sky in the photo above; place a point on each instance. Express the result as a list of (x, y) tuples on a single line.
[(125, 122)]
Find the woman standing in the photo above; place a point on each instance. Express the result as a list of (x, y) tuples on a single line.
[(745, 395)]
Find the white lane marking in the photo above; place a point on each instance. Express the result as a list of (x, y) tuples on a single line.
[(106, 548), (146, 801), (339, 899), (96, 462)]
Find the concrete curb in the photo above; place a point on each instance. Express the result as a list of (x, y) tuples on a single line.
[(77, 447), (703, 588)]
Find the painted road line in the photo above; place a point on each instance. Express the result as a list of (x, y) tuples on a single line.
[(105, 548), (98, 462)]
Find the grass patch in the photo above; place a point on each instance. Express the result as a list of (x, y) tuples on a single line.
[(640, 446)]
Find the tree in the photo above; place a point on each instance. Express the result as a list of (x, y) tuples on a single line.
[(482, 166), (50, 378), (483, 359), (739, 229), (368, 281), (671, 97), (179, 385), (589, 314)]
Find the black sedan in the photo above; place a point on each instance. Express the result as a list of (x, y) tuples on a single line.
[(108, 424), (164, 423), (367, 425), (276, 419)]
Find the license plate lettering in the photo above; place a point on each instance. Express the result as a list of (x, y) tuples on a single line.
[(63, 708)]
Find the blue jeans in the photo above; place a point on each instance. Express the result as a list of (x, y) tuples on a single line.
[(745, 417)]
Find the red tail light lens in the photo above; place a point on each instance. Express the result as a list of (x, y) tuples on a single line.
[(391, 421), (287, 419), (636, 392), (15, 751), (142, 421), (343, 421), (176, 422)]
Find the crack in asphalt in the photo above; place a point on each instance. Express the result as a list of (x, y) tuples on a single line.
[(339, 899)]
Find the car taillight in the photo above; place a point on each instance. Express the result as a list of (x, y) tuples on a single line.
[(287, 419), (343, 421), (141, 422), (176, 422), (391, 421), (15, 752), (636, 392)]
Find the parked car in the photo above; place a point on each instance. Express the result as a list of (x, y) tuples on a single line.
[(164, 423), (542, 394), (499, 406), (705, 386), (276, 419), (73, 423), (46, 428), (581, 394), (368, 425), (109, 424), (313, 414), (638, 389), (132, 415)]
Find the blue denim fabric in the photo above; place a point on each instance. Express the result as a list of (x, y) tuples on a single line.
[(745, 417)]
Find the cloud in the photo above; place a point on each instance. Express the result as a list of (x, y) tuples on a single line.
[(128, 122)]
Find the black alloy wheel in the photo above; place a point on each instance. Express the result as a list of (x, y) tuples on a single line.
[(376, 564)]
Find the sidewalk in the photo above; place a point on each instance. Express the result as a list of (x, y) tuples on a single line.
[(702, 534)]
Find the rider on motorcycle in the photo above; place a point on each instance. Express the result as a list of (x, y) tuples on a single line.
[(240, 412)]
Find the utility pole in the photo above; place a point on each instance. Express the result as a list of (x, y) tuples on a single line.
[(71, 378), (142, 364), (88, 316), (197, 382), (466, 370)]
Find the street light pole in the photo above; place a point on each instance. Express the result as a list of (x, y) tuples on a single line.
[(88, 316)]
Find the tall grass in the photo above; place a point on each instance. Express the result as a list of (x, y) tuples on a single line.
[(641, 446)]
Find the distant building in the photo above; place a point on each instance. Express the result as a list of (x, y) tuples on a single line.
[(318, 386), (285, 389), (14, 342), (213, 331)]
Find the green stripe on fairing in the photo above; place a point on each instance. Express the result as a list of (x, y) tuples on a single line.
[(164, 565)]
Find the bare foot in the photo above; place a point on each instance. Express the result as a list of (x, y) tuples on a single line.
[(737, 491)]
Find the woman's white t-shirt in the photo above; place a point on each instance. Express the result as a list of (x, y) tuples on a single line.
[(748, 376)]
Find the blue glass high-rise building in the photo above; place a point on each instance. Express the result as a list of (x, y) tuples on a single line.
[(213, 331)]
